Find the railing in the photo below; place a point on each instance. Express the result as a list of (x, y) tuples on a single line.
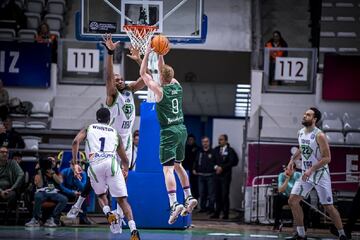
[(263, 177), (262, 182)]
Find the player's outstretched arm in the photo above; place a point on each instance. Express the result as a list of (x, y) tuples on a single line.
[(150, 83), (75, 149), (110, 80), (161, 62), (294, 157)]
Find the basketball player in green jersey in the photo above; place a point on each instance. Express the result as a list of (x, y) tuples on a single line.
[(173, 134), (314, 152)]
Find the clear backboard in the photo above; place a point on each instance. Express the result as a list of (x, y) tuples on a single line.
[(182, 21)]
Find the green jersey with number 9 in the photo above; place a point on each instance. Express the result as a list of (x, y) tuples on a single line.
[(169, 109)]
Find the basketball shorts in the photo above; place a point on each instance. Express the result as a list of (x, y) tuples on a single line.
[(320, 180), (172, 143), (106, 173)]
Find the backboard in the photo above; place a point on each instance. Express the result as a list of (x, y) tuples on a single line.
[(182, 21)]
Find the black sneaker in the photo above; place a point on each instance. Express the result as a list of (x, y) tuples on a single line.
[(135, 235)]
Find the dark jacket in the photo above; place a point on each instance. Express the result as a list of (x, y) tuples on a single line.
[(225, 160), (205, 162), (190, 155), (11, 139)]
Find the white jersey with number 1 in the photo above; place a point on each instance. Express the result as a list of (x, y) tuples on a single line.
[(122, 118), (104, 170)]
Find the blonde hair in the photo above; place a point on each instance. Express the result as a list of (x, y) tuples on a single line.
[(167, 73)]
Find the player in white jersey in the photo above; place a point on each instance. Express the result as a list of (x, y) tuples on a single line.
[(101, 146), (314, 152), (120, 101)]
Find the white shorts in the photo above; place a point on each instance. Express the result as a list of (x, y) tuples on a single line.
[(320, 180), (127, 143), (106, 174)]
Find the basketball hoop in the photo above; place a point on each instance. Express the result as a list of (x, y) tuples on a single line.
[(140, 35)]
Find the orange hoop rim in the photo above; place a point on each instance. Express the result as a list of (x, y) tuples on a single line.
[(140, 30), (140, 27)]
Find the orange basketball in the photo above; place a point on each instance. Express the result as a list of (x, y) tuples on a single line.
[(160, 44)]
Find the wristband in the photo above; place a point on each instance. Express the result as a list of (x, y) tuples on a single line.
[(110, 52)]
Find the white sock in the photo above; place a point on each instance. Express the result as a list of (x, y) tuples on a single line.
[(301, 231), (132, 225), (79, 202), (172, 198), (341, 232), (106, 209), (119, 211), (187, 192)]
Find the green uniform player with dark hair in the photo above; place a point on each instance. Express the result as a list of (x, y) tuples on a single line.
[(173, 134)]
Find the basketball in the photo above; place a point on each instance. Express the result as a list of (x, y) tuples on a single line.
[(160, 44)]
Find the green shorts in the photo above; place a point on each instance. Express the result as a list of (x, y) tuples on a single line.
[(172, 143)]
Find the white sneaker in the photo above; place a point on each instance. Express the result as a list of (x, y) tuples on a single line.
[(50, 223), (32, 223), (175, 211), (74, 211), (190, 204)]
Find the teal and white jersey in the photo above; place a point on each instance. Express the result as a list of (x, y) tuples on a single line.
[(122, 112), (101, 142), (310, 150)]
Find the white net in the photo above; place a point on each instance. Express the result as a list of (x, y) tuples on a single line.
[(140, 36)]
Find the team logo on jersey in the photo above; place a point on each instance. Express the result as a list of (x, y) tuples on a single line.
[(312, 136), (127, 94), (306, 151), (128, 110)]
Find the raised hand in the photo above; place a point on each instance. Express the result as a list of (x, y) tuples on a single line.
[(108, 43), (134, 54)]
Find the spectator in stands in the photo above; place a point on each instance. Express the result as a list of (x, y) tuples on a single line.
[(47, 182), (132, 163), (9, 137), (225, 159), (44, 36), (191, 149), (11, 11), (72, 187), (11, 179), (276, 41), (204, 169), (286, 180), (4, 102)]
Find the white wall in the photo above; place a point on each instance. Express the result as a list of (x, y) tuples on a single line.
[(234, 129), (229, 26)]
